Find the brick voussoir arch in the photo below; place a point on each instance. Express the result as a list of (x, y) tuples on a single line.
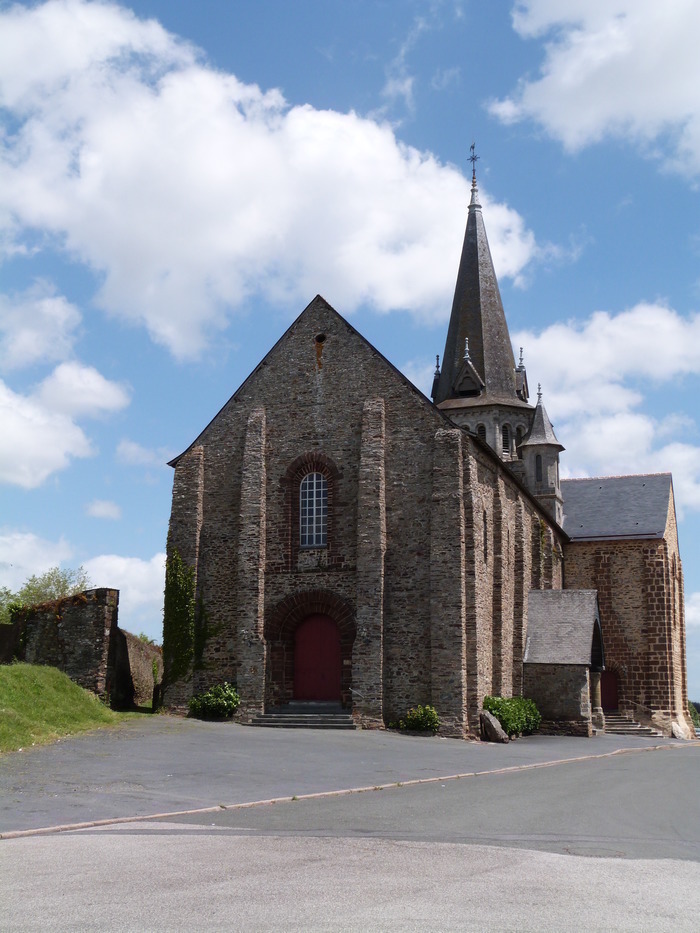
[(280, 626), (289, 612)]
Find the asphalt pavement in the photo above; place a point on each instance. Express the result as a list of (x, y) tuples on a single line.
[(367, 831)]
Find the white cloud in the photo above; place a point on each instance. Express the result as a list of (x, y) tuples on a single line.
[(692, 611), (647, 342), (623, 68), (77, 390), (39, 432), (35, 442), (103, 508), (134, 454), (36, 325), (188, 191), (445, 77), (140, 584), (595, 375), (23, 554)]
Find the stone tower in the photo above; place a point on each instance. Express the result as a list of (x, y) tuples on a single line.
[(480, 387)]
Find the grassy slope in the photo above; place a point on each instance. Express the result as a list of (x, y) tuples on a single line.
[(40, 704)]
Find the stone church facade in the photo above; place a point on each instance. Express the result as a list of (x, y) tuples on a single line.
[(353, 542)]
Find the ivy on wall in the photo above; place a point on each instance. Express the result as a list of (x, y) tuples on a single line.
[(201, 633), (178, 617)]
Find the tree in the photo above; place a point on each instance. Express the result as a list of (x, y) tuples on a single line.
[(55, 583)]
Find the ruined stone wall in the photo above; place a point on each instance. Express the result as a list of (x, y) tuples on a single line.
[(641, 645), (562, 695), (141, 658), (78, 635)]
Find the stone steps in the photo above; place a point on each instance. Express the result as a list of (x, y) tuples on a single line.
[(300, 715), (620, 724)]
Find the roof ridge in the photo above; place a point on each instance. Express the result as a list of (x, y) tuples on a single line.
[(585, 479)]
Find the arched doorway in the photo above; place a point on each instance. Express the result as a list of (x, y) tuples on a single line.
[(317, 660), (609, 690)]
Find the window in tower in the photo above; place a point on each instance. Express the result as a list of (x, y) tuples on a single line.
[(505, 438), (518, 441)]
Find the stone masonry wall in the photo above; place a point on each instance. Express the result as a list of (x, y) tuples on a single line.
[(562, 695), (77, 635), (184, 533), (640, 640), (416, 619)]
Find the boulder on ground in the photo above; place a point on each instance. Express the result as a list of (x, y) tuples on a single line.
[(491, 729), (680, 731)]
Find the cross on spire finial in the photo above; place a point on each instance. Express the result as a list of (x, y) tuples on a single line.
[(473, 158), (520, 363), (539, 391)]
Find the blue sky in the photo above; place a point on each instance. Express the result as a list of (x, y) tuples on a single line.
[(179, 179)]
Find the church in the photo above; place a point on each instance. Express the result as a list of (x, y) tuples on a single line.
[(350, 541)]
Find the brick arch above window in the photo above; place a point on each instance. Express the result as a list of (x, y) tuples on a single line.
[(301, 466)]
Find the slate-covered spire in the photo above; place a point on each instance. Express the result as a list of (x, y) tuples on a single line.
[(477, 317), (541, 433), (540, 455)]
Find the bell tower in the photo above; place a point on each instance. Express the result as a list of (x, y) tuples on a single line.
[(479, 386)]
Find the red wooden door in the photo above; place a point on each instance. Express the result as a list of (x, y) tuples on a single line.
[(317, 661), (609, 690)]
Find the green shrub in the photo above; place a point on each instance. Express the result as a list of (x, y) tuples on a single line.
[(694, 715), (516, 714), (219, 702), (421, 719)]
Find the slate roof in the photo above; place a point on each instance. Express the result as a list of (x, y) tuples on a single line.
[(616, 506), (560, 626), (477, 314)]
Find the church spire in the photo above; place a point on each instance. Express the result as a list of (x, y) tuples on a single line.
[(477, 316)]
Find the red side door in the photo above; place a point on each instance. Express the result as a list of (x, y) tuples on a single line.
[(609, 683), (317, 660)]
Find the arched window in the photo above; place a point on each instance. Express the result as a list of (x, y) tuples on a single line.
[(481, 432), (313, 511), (538, 468), (519, 434), (505, 437)]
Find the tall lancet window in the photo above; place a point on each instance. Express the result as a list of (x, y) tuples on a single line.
[(313, 511), (505, 440)]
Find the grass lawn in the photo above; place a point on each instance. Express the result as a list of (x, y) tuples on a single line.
[(40, 704)]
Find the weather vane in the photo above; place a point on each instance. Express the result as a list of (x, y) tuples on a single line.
[(473, 158)]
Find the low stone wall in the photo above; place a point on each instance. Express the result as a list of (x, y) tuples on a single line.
[(562, 695), (566, 727)]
